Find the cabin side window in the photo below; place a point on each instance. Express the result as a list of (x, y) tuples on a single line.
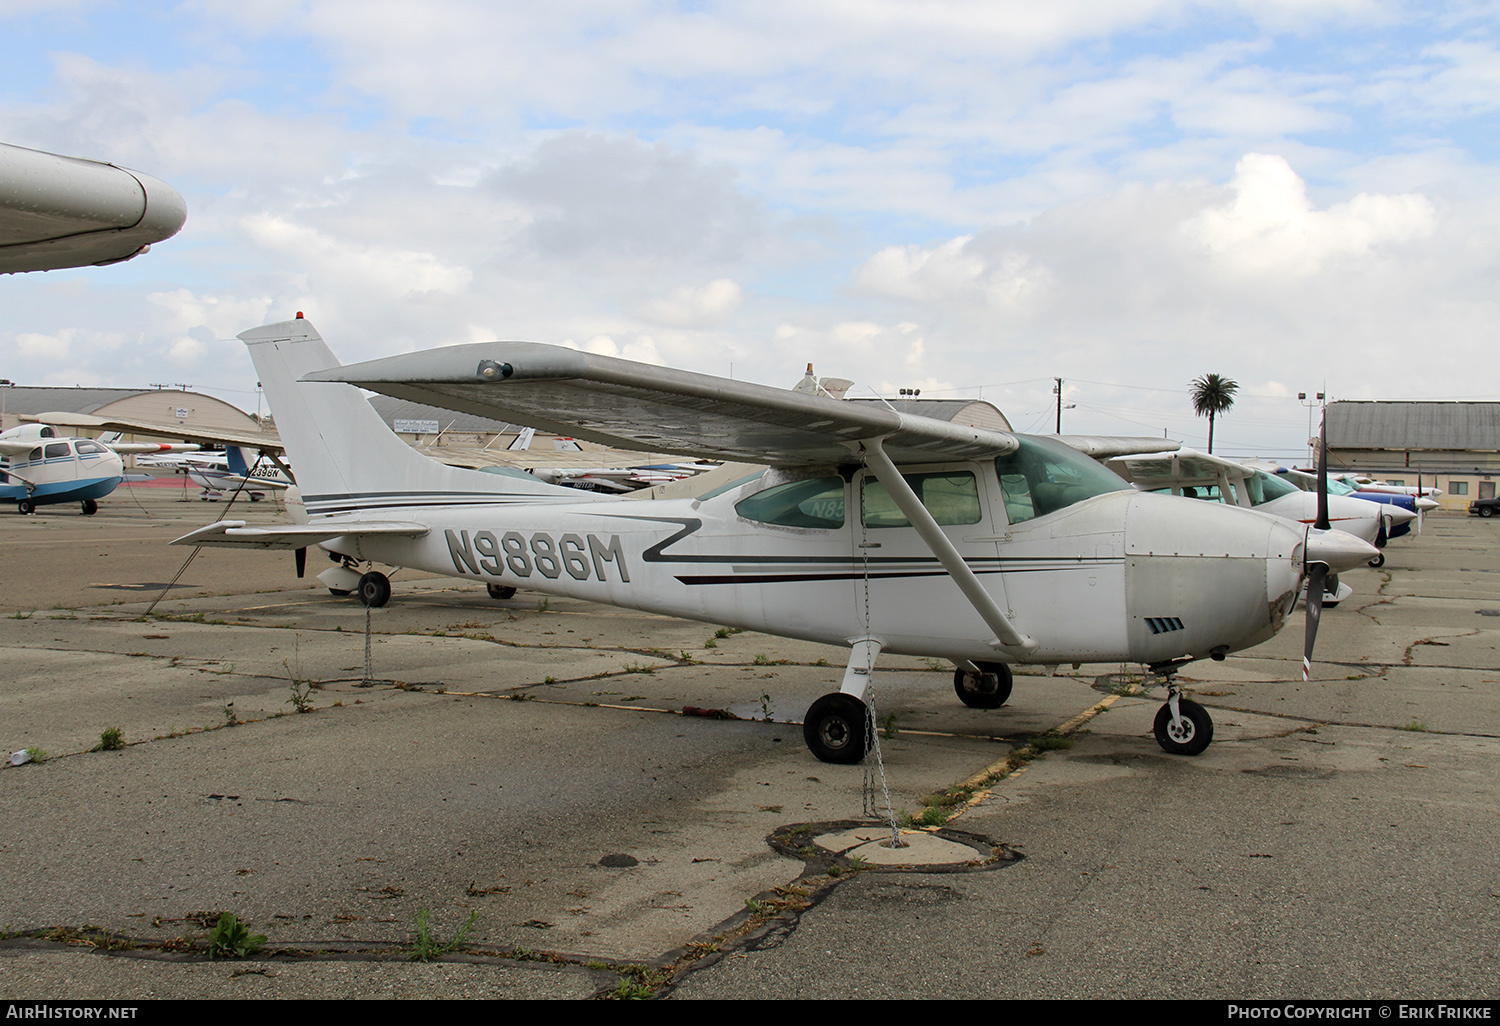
[(87, 448), (56, 449), (1043, 476), (814, 502), (952, 497)]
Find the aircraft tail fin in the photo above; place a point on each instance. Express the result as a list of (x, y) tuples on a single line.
[(235, 457), (345, 458)]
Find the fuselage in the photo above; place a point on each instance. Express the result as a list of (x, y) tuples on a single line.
[(1116, 575), (58, 470)]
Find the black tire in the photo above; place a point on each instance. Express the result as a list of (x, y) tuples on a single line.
[(90, 507), (374, 589), (25, 507), (837, 729), (340, 592), (1378, 561), (971, 692), (500, 592), (1196, 732), (1486, 511)]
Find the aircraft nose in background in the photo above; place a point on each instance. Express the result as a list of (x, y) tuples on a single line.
[(1338, 549)]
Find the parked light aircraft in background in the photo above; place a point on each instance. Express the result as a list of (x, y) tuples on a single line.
[(1204, 476), (42, 468), (1364, 483), (872, 529), (233, 470), (1416, 505)]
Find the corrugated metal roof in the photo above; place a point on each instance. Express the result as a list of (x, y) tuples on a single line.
[(1414, 426), (33, 400)]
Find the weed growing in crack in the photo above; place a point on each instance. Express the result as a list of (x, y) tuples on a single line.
[(428, 946), (233, 939)]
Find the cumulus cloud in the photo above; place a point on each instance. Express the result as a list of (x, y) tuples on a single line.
[(219, 316), (1271, 227), (689, 306), (1006, 281), (381, 269), (615, 200)]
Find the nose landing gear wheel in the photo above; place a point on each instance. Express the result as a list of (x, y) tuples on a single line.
[(500, 592), (989, 691), (375, 589), (90, 507), (1189, 737), (837, 728)]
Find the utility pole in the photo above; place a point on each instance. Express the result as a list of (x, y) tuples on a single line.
[(1058, 389)]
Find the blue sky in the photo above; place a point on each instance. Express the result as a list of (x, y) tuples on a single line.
[(945, 194)]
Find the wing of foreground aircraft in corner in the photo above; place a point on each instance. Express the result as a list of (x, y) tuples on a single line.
[(60, 211)]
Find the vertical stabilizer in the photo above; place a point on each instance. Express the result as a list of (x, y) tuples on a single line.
[(346, 459)]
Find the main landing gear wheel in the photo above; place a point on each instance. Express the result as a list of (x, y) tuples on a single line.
[(375, 589), (25, 507), (837, 728), (1189, 737), (989, 689), (1378, 561), (500, 592), (90, 507)]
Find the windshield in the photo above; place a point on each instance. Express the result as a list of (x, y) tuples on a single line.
[(1044, 476), (1264, 487)]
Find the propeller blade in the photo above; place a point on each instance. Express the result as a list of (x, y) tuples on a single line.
[(1322, 522), (1317, 577)]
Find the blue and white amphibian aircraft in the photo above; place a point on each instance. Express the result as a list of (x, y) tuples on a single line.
[(871, 529), (41, 468)]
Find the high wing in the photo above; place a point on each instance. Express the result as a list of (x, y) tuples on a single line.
[(658, 409), (142, 448), (1105, 447), (1184, 468), (269, 444), (236, 534), (60, 211)]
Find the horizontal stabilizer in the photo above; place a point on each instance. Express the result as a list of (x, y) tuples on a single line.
[(234, 534)]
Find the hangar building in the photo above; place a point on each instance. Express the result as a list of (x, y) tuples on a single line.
[(1454, 446)]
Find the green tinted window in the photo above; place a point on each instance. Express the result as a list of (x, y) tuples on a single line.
[(816, 502), (1043, 476), (1262, 487), (951, 497)]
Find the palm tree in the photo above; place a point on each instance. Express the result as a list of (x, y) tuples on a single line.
[(1213, 395)]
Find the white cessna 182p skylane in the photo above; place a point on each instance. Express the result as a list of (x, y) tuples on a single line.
[(872, 529)]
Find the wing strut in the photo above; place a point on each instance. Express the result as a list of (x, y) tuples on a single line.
[(1006, 635)]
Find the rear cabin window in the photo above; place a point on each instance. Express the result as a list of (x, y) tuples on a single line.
[(89, 448), (815, 502), (951, 497)]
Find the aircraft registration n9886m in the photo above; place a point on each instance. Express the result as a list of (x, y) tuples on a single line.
[(871, 528)]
